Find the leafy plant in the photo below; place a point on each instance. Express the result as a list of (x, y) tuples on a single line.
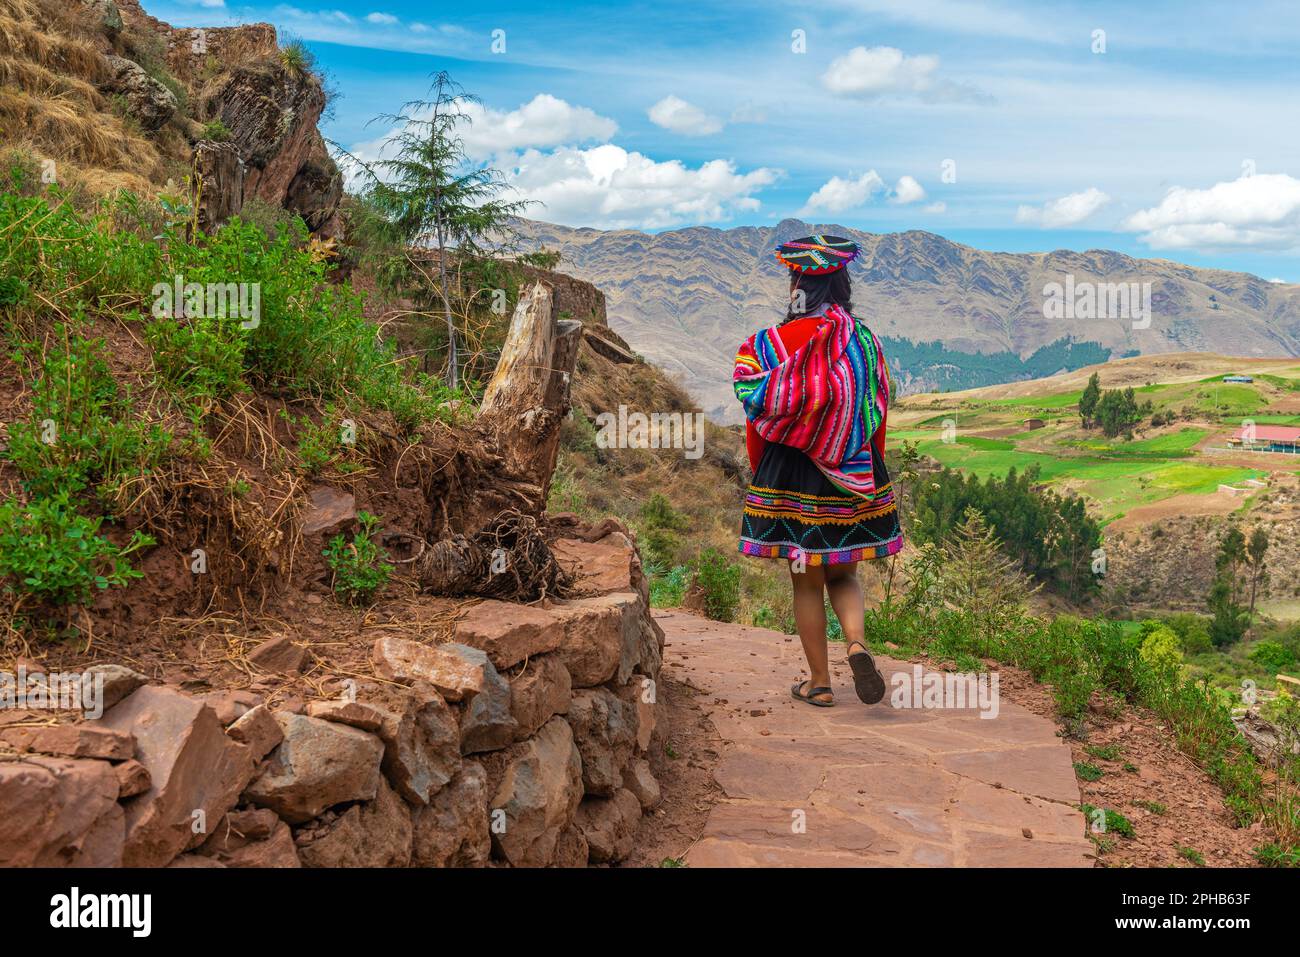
[(718, 579), (1087, 771), (359, 565), (50, 552)]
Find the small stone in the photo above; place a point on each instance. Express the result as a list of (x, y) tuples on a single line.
[(115, 683), (421, 743), (640, 780), (278, 655), (453, 830), (609, 825), (133, 778), (604, 729), (487, 724), (257, 729), (538, 693), (356, 714), (252, 838), (73, 740), (509, 633), (375, 833), (230, 706), (330, 512)]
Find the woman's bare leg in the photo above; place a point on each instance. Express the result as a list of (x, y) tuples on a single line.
[(845, 592), (810, 618)]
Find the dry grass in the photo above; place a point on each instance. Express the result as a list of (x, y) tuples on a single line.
[(62, 130), (67, 56)]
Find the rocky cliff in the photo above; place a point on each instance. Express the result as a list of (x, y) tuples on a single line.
[(105, 96)]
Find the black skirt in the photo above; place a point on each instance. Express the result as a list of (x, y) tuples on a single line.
[(793, 509)]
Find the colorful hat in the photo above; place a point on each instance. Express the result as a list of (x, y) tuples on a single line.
[(815, 255)]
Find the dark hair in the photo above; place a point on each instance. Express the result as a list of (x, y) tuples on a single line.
[(821, 290)]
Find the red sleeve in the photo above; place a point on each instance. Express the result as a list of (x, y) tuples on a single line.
[(754, 445)]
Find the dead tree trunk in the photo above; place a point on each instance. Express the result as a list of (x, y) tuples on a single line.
[(528, 396)]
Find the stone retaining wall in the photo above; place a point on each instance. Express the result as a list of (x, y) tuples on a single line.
[(520, 742)]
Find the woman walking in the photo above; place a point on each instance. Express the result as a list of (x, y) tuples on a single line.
[(815, 389)]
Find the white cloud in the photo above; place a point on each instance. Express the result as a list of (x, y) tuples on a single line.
[(837, 194), (1260, 211), (384, 19), (881, 71), (935, 208), (675, 114), (309, 16), (1066, 211), (609, 187), (907, 190)]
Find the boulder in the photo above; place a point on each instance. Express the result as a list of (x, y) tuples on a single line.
[(196, 772), (509, 633), (60, 812), (453, 830), (219, 169), (150, 103), (602, 638), (543, 689), (421, 743), (375, 833), (640, 780), (487, 724), (537, 796), (72, 740), (458, 672), (604, 729), (258, 730), (329, 512), (115, 682), (609, 824), (278, 655), (252, 838), (317, 765)]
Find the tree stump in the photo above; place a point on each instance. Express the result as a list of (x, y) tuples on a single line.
[(528, 396)]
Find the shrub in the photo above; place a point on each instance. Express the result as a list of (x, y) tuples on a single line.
[(359, 566), (216, 130), (50, 552), (718, 579), (1273, 656), (1159, 648), (667, 589)]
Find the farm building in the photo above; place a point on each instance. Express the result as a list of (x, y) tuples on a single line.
[(1267, 438), (1238, 378), (1031, 424)]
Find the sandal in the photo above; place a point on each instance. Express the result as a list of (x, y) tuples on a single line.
[(796, 690), (868, 682)]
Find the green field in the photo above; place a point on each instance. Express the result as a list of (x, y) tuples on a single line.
[(1115, 475)]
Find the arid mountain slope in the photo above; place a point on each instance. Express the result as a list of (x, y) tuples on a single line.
[(685, 298)]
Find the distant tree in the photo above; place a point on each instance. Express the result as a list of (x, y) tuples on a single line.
[(1230, 619), (1256, 549), (1088, 400), (979, 579), (426, 193), (1118, 411)]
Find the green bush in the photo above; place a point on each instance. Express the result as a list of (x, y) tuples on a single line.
[(718, 579), (1273, 656), (667, 589), (51, 553), (359, 566)]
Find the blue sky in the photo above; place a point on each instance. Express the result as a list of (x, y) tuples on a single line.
[(1171, 133)]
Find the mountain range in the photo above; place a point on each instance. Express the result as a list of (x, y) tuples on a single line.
[(686, 298)]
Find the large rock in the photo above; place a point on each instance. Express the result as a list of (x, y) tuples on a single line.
[(604, 728), (253, 838), (453, 830), (509, 633), (150, 103), (219, 170), (539, 692), (537, 796), (605, 566), (315, 190), (421, 743), (60, 812), (642, 693), (88, 740), (487, 724), (373, 834), (196, 773), (458, 672), (605, 638), (609, 824), (317, 765), (640, 780)]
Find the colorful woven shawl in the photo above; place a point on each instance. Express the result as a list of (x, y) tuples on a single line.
[(827, 398)]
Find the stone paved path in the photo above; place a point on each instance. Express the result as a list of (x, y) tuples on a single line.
[(870, 785)]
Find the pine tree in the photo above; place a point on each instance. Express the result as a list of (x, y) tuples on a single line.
[(1256, 549), (1088, 400), (979, 580)]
